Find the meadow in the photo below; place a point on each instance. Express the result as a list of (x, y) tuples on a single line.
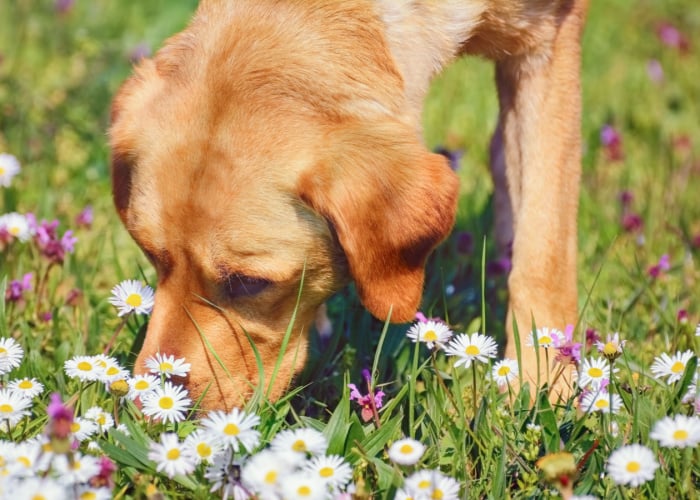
[(417, 421)]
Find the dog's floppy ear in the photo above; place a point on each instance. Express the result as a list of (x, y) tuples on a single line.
[(390, 202)]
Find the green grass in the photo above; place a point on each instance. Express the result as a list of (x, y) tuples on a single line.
[(57, 75)]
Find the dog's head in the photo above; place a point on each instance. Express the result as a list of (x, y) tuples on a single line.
[(261, 165)]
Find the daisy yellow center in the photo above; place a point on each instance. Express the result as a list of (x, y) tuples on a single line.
[(25, 384), (203, 450), (595, 372), (47, 448), (271, 477), (546, 339), (24, 461), (88, 495), (232, 430), (677, 367), (430, 336), (165, 366), (173, 454), (14, 230), (406, 449), (6, 408), (3, 351), (424, 485), (610, 348), (437, 494), (601, 403), (102, 420), (38, 496), (112, 370), (84, 366), (101, 363), (134, 300), (76, 465), (2, 170), (304, 491), (74, 427), (166, 402), (680, 435), (633, 466), (504, 370), (472, 350), (326, 471), (141, 385), (299, 445)]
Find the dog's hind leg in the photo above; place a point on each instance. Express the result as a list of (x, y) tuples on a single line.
[(539, 126)]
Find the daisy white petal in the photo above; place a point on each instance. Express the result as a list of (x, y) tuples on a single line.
[(593, 372), (45, 488), (85, 368), (92, 493), (632, 465), (17, 225), (432, 484), (406, 451), (332, 469), (612, 347), (167, 404), (678, 431), (109, 369), (303, 487), (474, 347), (546, 337), (141, 385), (600, 400), (234, 429), (83, 428), (223, 474), (167, 365), (132, 296), (302, 441), (504, 371), (263, 471), (9, 167), (13, 407), (79, 470), (431, 332), (102, 418), (671, 367), (11, 354), (29, 387), (203, 446), (170, 456)]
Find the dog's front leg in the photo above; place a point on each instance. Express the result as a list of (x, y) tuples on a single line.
[(537, 151)]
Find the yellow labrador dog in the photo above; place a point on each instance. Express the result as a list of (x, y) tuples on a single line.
[(278, 139)]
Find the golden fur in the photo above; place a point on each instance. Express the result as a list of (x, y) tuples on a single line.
[(275, 139)]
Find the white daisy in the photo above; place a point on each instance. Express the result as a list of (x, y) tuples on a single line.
[(432, 484), (30, 387), (83, 428), (85, 368), (203, 447), (633, 465), (110, 369), (263, 471), (678, 431), (600, 401), (406, 451), (504, 371), (132, 296), (546, 337), (23, 459), (224, 476), (102, 418), (92, 493), (9, 167), (234, 429), (17, 225), (332, 469), (303, 487), (593, 372), (431, 332), (167, 365), (13, 407), (44, 488), (141, 385), (472, 347), (11, 354), (76, 471), (170, 456), (697, 330), (301, 441), (168, 403), (672, 367)]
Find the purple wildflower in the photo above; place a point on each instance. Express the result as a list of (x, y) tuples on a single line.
[(663, 265), (632, 222), (465, 243), (568, 351), (671, 36), (498, 267), (655, 71), (85, 218), (141, 51), (611, 140), (682, 316), (369, 402), (60, 418), (16, 288), (50, 245), (104, 478), (63, 6)]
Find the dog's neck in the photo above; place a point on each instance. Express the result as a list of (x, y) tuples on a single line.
[(424, 37)]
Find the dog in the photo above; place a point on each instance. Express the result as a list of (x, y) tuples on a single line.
[(271, 153)]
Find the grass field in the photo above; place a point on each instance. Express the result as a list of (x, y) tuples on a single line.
[(639, 244)]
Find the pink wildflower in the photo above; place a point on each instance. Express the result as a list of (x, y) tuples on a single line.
[(85, 218), (663, 265), (611, 140), (671, 36), (16, 288), (568, 351), (369, 402)]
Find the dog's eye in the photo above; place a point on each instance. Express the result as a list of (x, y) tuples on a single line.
[(240, 285)]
